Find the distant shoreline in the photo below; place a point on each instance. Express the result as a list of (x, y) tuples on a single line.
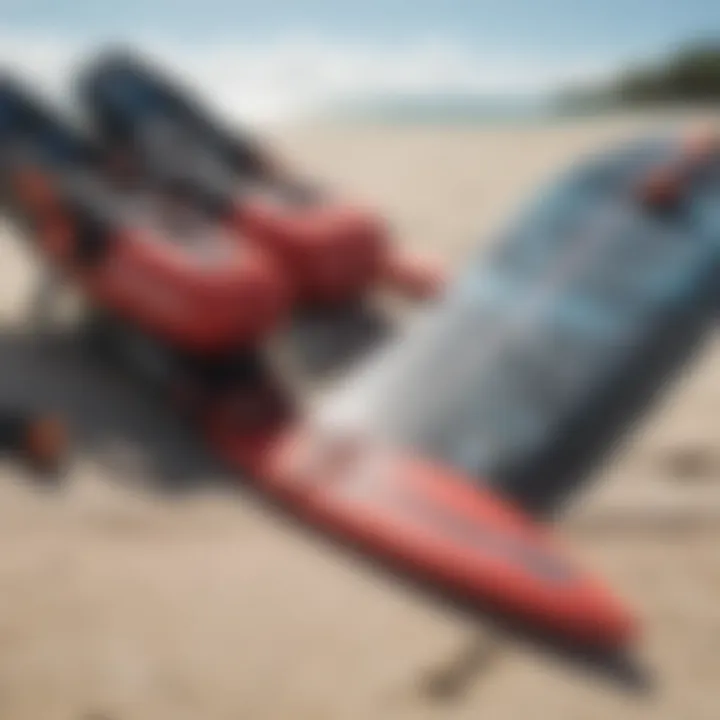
[(486, 115)]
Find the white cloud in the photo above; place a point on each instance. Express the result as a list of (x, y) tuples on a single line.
[(299, 74)]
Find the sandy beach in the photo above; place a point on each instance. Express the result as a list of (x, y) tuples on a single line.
[(120, 600)]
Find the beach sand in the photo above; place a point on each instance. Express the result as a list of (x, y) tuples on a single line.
[(121, 601)]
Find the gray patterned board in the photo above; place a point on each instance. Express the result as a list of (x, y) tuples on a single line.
[(548, 346)]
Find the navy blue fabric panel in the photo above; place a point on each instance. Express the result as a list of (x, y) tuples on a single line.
[(23, 122), (125, 91)]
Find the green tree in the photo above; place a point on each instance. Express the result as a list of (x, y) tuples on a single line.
[(690, 75)]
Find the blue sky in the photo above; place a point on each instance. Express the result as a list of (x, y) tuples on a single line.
[(274, 57), (559, 27)]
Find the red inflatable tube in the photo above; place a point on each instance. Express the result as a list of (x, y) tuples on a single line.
[(204, 294), (205, 307), (333, 253), (413, 277)]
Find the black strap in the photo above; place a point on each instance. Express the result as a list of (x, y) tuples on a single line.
[(92, 239), (14, 428)]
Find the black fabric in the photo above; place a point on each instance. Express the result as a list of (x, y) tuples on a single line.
[(24, 119), (121, 93), (14, 428), (217, 204), (92, 239)]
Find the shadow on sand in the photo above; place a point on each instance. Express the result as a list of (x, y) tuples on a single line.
[(127, 424), (124, 426)]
